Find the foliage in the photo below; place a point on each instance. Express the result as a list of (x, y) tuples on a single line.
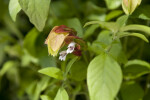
[(115, 60)]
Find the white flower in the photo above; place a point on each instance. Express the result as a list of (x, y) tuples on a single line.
[(71, 47), (63, 55)]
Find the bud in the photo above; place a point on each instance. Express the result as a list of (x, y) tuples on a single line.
[(62, 36), (130, 5), (56, 38)]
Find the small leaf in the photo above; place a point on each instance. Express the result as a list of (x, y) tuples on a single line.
[(113, 14), (7, 66), (14, 8), (29, 41), (121, 21), (61, 94), (142, 12), (136, 68), (45, 97), (136, 35), (90, 31), (136, 27), (52, 72), (113, 4), (37, 11), (112, 26), (104, 78)]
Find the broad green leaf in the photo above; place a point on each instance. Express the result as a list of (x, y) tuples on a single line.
[(113, 14), (136, 35), (29, 41), (61, 94), (52, 72), (14, 8), (78, 71), (136, 68), (113, 4), (104, 78), (37, 11), (131, 91), (112, 26), (136, 27), (121, 21), (45, 97)]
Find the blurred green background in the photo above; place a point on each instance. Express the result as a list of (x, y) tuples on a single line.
[(23, 53)]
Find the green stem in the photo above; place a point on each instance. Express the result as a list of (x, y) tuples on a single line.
[(68, 67)]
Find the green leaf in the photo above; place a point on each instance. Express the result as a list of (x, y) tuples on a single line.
[(61, 94), (112, 26), (78, 71), (29, 41), (136, 35), (7, 66), (103, 41), (14, 8), (45, 97), (76, 24), (52, 72), (69, 65), (90, 31), (113, 14), (121, 21), (41, 86), (142, 12), (131, 91), (37, 11), (104, 78), (113, 4), (136, 68), (136, 27)]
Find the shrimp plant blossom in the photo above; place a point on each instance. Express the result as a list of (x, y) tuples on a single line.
[(63, 36)]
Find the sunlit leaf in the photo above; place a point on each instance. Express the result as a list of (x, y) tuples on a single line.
[(113, 4), (37, 11), (104, 78), (14, 8), (52, 72), (121, 21), (45, 97), (112, 26), (61, 94), (113, 14)]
